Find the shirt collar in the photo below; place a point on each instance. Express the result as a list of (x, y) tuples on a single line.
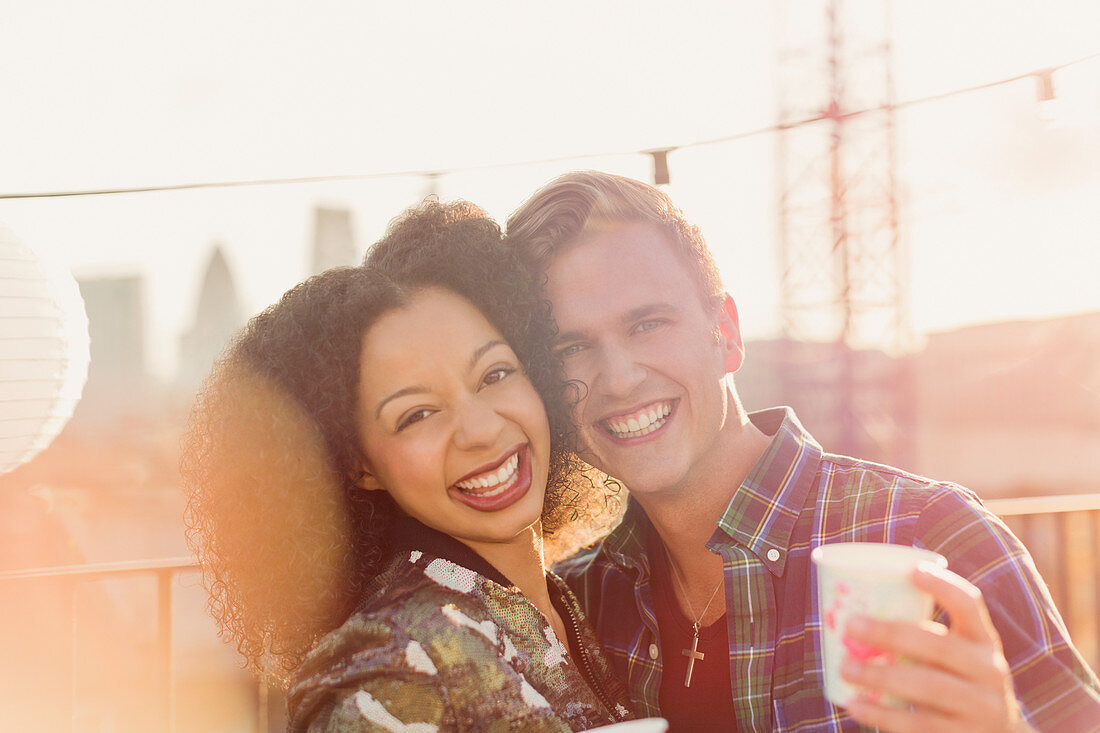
[(626, 543), (406, 533), (763, 511)]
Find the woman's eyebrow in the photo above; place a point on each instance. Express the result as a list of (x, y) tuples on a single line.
[(414, 389), (483, 349), (421, 389)]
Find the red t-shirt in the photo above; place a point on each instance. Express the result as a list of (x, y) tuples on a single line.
[(708, 704)]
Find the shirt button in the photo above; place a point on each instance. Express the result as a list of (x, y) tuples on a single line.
[(653, 651), (773, 554)]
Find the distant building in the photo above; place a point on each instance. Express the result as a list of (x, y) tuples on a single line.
[(333, 240), (117, 379), (1006, 409), (217, 317), (1013, 408)]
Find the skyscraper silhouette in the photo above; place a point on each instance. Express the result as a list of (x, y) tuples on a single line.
[(333, 241), (217, 317)]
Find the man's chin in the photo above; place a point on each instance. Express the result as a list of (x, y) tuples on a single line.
[(636, 478), (620, 458)]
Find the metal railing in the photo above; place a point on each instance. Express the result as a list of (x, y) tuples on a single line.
[(72, 576), (1062, 533)]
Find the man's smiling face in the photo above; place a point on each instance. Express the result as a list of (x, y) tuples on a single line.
[(652, 359)]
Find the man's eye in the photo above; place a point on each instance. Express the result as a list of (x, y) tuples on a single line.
[(569, 350), (648, 325), (497, 374), (413, 417)]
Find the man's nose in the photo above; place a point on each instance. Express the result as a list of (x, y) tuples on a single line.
[(619, 372), (479, 424)]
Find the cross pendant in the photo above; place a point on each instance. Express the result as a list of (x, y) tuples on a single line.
[(692, 654)]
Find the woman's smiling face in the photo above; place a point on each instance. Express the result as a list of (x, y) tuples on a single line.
[(452, 428)]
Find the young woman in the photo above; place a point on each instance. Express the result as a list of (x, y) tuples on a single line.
[(372, 468)]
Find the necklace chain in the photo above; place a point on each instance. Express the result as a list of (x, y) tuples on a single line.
[(696, 620)]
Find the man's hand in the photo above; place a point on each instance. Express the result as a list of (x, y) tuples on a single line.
[(954, 679)]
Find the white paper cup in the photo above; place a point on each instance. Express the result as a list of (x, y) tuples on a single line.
[(868, 579), (644, 725)]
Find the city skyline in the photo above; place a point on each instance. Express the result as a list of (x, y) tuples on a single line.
[(998, 205)]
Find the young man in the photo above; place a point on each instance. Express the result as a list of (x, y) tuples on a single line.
[(704, 595)]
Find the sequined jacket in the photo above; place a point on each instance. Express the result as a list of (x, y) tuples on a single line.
[(442, 641)]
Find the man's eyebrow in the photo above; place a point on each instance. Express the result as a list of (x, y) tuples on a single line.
[(421, 389), (634, 314), (568, 336), (649, 309)]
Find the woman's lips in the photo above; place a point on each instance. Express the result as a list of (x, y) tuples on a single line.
[(487, 494)]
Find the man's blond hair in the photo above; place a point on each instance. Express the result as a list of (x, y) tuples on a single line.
[(581, 201)]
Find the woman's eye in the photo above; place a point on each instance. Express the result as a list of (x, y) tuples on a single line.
[(495, 375), (413, 417)]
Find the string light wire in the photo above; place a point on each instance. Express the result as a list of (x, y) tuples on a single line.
[(779, 127)]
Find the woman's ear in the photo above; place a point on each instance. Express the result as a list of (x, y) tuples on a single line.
[(365, 479)]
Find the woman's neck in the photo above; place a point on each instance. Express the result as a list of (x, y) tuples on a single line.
[(521, 561)]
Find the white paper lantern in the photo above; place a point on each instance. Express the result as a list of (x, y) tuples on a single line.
[(43, 350)]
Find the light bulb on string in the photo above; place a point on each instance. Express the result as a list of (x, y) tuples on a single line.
[(660, 166), (1075, 102), (431, 189), (1048, 100)]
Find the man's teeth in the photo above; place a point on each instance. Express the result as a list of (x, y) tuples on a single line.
[(495, 481), (641, 423)]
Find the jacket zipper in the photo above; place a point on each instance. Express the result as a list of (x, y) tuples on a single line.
[(586, 664)]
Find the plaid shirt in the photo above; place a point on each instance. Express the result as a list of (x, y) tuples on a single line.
[(795, 499)]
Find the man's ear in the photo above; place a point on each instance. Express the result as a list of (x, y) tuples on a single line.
[(729, 329)]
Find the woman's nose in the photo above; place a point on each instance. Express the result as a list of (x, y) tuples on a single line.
[(479, 425)]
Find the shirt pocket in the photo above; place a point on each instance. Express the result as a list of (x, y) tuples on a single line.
[(798, 703)]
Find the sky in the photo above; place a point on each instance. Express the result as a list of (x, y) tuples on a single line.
[(999, 207)]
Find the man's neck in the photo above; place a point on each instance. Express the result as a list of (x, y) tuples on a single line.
[(685, 516)]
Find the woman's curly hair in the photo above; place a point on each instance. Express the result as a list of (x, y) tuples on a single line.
[(272, 454)]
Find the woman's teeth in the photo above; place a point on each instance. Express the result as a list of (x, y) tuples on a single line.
[(640, 423), (493, 482)]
